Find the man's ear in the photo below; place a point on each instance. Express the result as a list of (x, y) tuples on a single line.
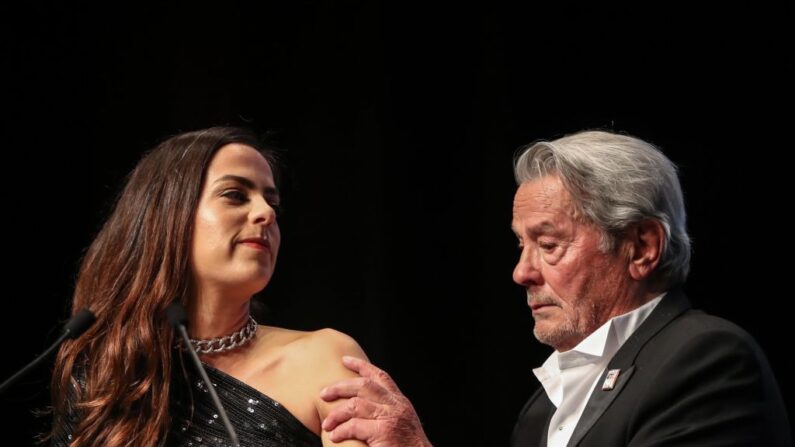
[(645, 240)]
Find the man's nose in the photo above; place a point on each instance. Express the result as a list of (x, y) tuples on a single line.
[(526, 272)]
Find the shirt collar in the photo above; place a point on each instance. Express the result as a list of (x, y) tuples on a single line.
[(601, 343), (625, 325)]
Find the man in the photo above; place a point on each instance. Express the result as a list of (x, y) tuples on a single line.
[(604, 250)]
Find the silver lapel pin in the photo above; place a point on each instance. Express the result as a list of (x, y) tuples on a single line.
[(610, 380)]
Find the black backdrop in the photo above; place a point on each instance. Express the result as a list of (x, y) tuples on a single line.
[(398, 124)]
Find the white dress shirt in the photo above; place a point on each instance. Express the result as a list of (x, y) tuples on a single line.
[(569, 377)]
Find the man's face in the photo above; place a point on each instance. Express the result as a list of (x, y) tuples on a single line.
[(572, 285)]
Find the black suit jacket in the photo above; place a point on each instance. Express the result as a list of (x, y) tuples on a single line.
[(687, 378)]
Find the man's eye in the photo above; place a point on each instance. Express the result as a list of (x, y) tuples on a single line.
[(547, 246)]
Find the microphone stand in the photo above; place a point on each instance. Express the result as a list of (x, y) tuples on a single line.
[(72, 329), (178, 318)]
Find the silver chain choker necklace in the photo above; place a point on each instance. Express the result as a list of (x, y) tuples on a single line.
[(226, 343)]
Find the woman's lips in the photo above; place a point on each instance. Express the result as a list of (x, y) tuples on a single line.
[(256, 243)]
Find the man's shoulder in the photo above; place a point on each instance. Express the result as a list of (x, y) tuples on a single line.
[(696, 321), (696, 324), (700, 366), (696, 334)]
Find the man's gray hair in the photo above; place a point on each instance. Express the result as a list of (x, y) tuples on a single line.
[(616, 181)]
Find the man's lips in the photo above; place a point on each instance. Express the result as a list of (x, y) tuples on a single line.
[(536, 306)]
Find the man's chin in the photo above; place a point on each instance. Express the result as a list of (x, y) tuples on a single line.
[(554, 337), (543, 336)]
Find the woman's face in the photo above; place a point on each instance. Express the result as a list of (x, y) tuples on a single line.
[(236, 237)]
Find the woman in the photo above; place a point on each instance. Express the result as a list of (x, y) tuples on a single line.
[(196, 223)]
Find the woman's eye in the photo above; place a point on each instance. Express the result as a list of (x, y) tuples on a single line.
[(235, 195)]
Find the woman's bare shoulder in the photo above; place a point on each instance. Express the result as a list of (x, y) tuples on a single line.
[(317, 344), (311, 346), (303, 363), (333, 341)]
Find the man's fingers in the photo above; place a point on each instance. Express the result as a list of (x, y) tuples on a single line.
[(353, 408), (360, 429), (364, 387), (354, 363), (367, 369), (343, 389)]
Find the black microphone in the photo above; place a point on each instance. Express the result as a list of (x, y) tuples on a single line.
[(72, 329), (179, 319)]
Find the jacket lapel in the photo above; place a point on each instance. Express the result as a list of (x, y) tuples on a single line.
[(531, 427), (598, 402), (670, 307)]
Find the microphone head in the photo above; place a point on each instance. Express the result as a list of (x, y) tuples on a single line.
[(79, 323), (176, 314)]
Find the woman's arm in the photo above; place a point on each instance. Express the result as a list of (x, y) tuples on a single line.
[(327, 347)]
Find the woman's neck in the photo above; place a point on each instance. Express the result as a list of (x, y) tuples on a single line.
[(214, 315)]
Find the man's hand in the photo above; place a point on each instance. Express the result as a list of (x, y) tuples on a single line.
[(376, 412)]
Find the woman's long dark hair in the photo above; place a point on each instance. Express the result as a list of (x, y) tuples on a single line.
[(137, 265)]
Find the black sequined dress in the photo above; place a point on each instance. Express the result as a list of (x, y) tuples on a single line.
[(258, 420)]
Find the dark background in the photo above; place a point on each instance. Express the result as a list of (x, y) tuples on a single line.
[(398, 124)]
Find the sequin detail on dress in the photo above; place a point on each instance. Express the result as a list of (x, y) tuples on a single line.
[(258, 419)]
